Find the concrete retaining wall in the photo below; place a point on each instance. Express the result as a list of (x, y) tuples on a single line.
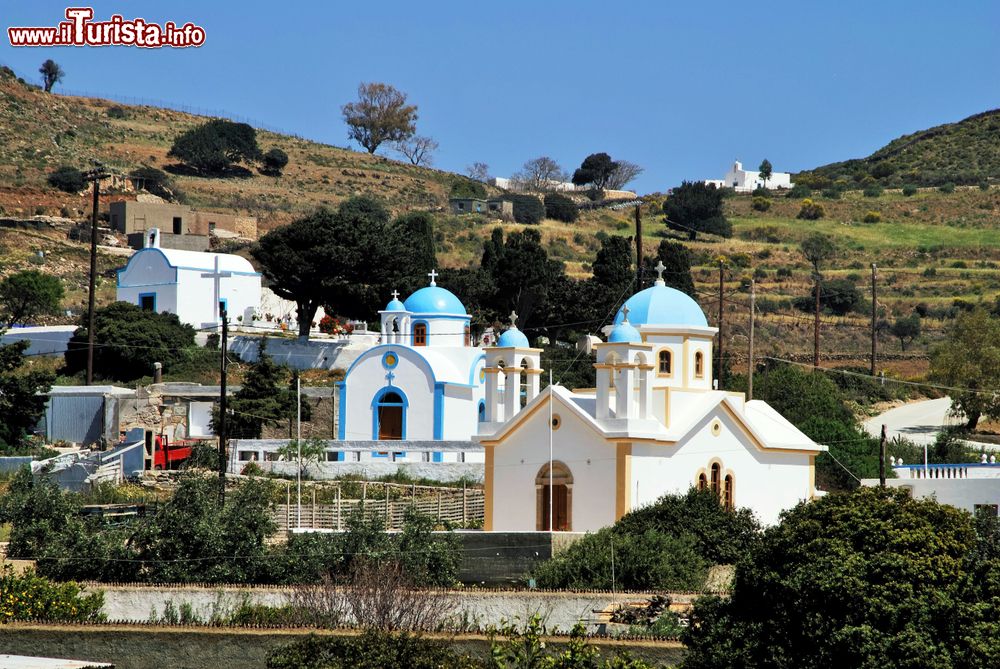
[(187, 648), (433, 471), (560, 610), (297, 354)]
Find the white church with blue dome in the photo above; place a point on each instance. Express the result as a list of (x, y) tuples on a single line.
[(578, 460), (423, 382)]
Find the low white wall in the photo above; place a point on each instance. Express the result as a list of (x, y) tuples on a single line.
[(298, 354), (434, 471), (48, 340)]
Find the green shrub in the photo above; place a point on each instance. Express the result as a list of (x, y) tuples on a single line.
[(371, 650), (784, 272), (116, 112), (67, 179), (909, 190), (467, 188), (528, 209), (984, 185), (948, 187), (799, 191), (561, 208), (156, 182), (872, 217), (275, 160), (832, 193), (760, 203), (28, 596), (811, 211), (872, 190)]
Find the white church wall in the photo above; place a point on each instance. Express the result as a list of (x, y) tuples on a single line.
[(589, 458), (196, 296), (765, 481), (442, 331), (368, 377)]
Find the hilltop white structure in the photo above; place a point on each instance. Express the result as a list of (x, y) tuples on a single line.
[(747, 181), (194, 285), (423, 382), (974, 487), (654, 425)]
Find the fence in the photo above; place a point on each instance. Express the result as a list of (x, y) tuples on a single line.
[(463, 507)]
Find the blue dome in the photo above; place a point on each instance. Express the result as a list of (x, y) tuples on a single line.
[(395, 305), (662, 305), (513, 337), (624, 333), (434, 300)]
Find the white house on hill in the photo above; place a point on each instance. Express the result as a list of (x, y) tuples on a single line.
[(746, 181), (194, 285), (654, 425), (424, 382)]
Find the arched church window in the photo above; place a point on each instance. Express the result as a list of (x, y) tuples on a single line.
[(699, 364), (702, 481), (420, 334), (727, 493), (665, 359), (389, 416), (468, 336), (523, 390), (716, 478)]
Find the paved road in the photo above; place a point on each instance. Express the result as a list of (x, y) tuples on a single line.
[(918, 421)]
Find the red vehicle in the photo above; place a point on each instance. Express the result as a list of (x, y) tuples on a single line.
[(170, 456)]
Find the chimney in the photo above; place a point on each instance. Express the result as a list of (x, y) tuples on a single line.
[(157, 372)]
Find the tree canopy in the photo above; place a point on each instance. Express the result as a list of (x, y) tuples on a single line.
[(558, 207), (970, 360), (379, 115), (22, 401), (595, 170), (520, 271), (676, 259), (28, 294), (128, 341), (694, 207), (275, 160), (217, 146), (262, 399), (872, 578), (51, 74)]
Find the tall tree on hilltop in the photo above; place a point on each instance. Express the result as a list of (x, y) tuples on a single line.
[(595, 170), (216, 146), (417, 149), (765, 171), (540, 174), (478, 171), (51, 74), (379, 115), (694, 207), (623, 173)]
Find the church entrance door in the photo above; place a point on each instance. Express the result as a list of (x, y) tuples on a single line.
[(390, 417), (560, 509)]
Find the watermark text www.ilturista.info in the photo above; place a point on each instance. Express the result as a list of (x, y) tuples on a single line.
[(79, 29)]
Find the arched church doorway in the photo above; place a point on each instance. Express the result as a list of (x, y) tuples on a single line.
[(560, 494), (389, 416)]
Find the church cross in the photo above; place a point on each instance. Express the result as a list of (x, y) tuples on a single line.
[(659, 270), (395, 294), (217, 275), (389, 376), (433, 275), (513, 319), (625, 311)]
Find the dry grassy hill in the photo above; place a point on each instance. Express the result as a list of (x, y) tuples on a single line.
[(39, 132)]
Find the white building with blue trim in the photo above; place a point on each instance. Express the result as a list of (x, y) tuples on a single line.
[(423, 382), (194, 285)]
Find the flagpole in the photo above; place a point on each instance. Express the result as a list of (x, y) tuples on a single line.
[(551, 510)]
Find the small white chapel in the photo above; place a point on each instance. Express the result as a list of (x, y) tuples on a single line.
[(578, 460), (423, 382)]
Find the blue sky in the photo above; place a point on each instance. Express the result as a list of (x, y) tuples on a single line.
[(681, 88)]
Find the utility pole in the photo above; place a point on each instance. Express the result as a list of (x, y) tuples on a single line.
[(753, 314), (881, 458), (224, 344), (722, 264), (638, 247), (94, 176), (816, 326), (874, 312)]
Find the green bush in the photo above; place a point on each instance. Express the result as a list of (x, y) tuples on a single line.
[(832, 193), (129, 341), (760, 203), (67, 179), (216, 146), (872, 217), (948, 187), (28, 596), (909, 190), (275, 160), (811, 211), (984, 185), (872, 190), (372, 650), (467, 188), (799, 191), (156, 182), (561, 208), (528, 209), (116, 112)]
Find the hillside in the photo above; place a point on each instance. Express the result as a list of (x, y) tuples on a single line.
[(39, 132), (967, 152)]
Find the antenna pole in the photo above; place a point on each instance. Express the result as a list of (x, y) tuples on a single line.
[(753, 314), (874, 312), (224, 345)]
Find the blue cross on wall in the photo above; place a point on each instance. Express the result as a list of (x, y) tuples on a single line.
[(389, 376)]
